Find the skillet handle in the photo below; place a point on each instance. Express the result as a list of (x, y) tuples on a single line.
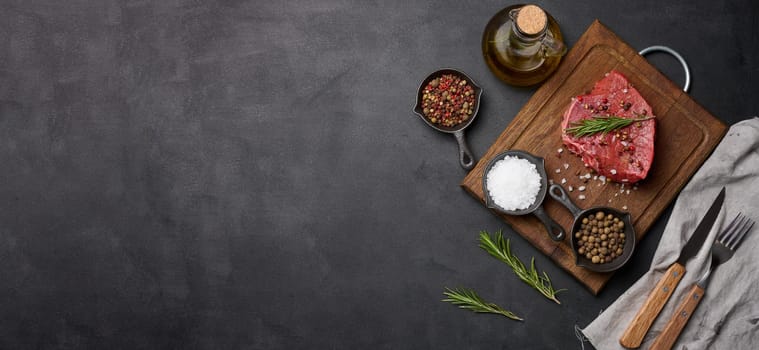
[(466, 159), (555, 231), (558, 193)]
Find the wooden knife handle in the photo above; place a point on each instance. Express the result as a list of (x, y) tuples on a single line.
[(633, 335), (672, 330)]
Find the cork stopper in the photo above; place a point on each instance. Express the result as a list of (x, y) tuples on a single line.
[(531, 20)]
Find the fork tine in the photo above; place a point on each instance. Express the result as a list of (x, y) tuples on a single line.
[(744, 230), (729, 228), (742, 226), (727, 233), (739, 226)]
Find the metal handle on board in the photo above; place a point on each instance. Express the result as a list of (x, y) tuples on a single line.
[(673, 53)]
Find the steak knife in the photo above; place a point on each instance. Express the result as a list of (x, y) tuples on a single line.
[(638, 327)]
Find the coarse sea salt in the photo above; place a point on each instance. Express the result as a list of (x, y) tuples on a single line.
[(513, 183)]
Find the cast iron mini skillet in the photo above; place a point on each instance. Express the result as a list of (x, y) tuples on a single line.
[(558, 193), (555, 231), (465, 155)]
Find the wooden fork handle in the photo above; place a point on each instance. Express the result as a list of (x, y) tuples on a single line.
[(675, 326), (633, 335)]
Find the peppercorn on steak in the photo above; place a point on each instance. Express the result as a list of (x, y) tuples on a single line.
[(612, 129)]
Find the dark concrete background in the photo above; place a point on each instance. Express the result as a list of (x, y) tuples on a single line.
[(242, 174)]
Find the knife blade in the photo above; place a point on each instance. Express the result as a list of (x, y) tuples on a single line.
[(638, 327)]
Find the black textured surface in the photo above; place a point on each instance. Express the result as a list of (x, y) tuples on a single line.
[(231, 174)]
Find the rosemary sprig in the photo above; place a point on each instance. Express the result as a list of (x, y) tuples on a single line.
[(601, 124), (469, 300), (500, 248)]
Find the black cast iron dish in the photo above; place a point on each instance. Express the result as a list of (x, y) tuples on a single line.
[(558, 193), (555, 231), (465, 155)]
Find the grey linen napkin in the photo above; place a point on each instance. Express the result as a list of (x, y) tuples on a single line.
[(728, 316)]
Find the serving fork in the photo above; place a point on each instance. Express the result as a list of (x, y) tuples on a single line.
[(722, 250)]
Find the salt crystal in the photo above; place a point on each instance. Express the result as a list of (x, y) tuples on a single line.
[(513, 183), (595, 177), (566, 166), (581, 188), (624, 207), (613, 171), (563, 181), (550, 181), (558, 170), (581, 197), (627, 191), (571, 188), (560, 150), (603, 178)]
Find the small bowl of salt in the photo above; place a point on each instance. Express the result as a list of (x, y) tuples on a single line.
[(515, 183)]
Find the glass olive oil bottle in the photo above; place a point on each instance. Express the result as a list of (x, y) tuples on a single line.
[(522, 45)]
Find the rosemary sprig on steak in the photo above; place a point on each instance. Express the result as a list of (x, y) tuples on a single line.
[(601, 124)]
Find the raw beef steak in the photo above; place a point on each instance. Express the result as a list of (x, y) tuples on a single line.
[(623, 155)]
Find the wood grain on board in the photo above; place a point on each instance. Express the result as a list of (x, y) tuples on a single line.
[(686, 135)]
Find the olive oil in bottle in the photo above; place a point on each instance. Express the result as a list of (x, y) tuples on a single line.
[(522, 45)]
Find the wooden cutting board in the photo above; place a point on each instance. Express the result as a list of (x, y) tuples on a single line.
[(686, 135)]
